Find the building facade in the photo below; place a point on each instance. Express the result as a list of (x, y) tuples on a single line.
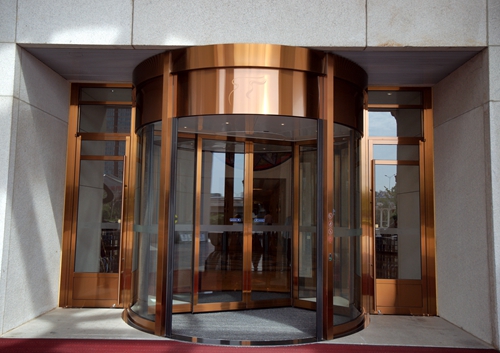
[(450, 48)]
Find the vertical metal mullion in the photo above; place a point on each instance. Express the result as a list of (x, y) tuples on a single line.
[(294, 242), (197, 216), (319, 236), (169, 290), (247, 222)]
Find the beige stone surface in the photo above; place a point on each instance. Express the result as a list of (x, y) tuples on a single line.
[(90, 22), (426, 23), (8, 61), (40, 84), (494, 72), (494, 22), (38, 137), (8, 20), (330, 23), (463, 90), (462, 223)]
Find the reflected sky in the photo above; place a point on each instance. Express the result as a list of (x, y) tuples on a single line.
[(385, 176), (382, 124)]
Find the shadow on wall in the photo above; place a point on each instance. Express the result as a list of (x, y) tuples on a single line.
[(39, 162)]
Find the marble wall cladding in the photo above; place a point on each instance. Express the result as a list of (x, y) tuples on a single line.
[(37, 164), (494, 22), (426, 23), (494, 72), (37, 208), (462, 237), (37, 87), (90, 22), (463, 90), (8, 62), (8, 20), (494, 191), (8, 108), (330, 23)]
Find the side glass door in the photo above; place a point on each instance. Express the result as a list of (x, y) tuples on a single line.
[(97, 242), (397, 225)]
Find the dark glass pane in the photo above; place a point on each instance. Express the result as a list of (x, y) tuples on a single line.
[(395, 97), (104, 119), (102, 94), (99, 216), (102, 148)]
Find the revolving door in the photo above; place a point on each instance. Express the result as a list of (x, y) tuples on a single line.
[(247, 190), (240, 235)]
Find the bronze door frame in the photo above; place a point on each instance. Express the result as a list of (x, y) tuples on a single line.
[(109, 289)]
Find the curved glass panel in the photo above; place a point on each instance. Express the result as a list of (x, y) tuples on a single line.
[(308, 199), (184, 220), (347, 227), (146, 221)]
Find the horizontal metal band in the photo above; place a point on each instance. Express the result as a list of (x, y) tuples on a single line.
[(248, 55), (248, 91)]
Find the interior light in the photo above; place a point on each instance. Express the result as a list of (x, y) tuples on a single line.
[(227, 122), (389, 93)]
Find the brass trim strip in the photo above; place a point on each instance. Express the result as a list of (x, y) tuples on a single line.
[(327, 176), (138, 322), (197, 225), (350, 327), (69, 197), (430, 237), (124, 103), (98, 136), (394, 106)]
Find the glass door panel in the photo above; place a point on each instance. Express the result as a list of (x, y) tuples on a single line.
[(271, 221), (397, 221), (184, 220), (307, 201), (99, 216), (221, 222)]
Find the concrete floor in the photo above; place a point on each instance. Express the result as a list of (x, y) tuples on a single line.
[(383, 329)]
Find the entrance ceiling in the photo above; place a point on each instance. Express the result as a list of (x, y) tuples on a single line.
[(384, 67)]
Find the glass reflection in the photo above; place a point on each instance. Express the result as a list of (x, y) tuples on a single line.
[(347, 227), (307, 248), (221, 212), (99, 216), (146, 220), (184, 220), (397, 222), (395, 123), (272, 220)]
